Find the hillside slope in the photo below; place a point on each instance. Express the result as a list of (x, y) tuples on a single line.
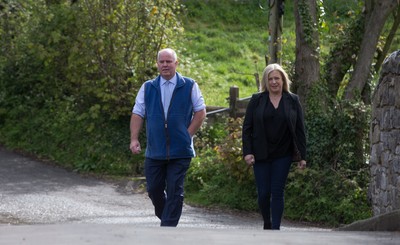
[(225, 43)]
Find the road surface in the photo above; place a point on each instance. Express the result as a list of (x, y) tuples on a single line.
[(41, 203)]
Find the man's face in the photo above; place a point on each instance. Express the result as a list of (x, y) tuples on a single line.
[(166, 65)]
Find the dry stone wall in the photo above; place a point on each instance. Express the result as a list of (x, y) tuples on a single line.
[(384, 188)]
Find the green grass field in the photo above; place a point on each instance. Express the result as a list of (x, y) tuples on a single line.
[(225, 44)]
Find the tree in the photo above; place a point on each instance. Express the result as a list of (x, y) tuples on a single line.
[(307, 68), (95, 54), (342, 118), (377, 13), (117, 47), (382, 53), (354, 49), (341, 56), (275, 31)]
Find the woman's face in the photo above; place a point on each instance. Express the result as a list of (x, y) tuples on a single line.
[(275, 82)]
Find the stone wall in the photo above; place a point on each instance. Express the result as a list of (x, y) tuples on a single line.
[(384, 188)]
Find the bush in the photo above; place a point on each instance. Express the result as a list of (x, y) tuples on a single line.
[(68, 74), (218, 176), (325, 196), (82, 144), (337, 133)]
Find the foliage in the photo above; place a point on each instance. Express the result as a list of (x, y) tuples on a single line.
[(307, 23), (345, 38), (93, 52), (210, 134), (117, 47), (325, 196), (229, 152), (69, 72), (338, 136), (63, 138), (218, 176)]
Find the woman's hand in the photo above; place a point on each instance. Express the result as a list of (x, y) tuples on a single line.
[(302, 164), (249, 159)]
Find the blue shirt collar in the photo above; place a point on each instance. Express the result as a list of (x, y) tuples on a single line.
[(173, 80)]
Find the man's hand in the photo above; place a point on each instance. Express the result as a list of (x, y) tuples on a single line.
[(135, 147)]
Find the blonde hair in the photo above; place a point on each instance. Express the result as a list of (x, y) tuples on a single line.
[(275, 67)]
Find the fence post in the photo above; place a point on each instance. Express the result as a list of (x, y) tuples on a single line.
[(257, 81), (233, 96)]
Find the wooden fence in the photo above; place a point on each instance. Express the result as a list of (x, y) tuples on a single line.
[(237, 106)]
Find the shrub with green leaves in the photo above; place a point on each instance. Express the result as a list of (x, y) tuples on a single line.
[(325, 196), (69, 72), (218, 176)]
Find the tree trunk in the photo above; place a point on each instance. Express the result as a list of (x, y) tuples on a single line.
[(307, 68), (374, 25), (275, 31), (389, 40), (341, 55)]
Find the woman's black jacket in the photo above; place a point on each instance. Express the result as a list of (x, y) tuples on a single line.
[(253, 133)]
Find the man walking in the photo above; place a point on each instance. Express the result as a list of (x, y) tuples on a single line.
[(174, 110)]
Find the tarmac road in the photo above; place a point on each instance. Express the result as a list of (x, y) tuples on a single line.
[(44, 204), (34, 192)]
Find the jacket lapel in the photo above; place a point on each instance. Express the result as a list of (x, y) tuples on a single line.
[(290, 113), (262, 103)]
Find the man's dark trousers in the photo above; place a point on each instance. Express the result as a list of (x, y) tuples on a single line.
[(165, 179)]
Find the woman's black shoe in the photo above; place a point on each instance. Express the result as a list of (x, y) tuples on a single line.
[(267, 226)]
